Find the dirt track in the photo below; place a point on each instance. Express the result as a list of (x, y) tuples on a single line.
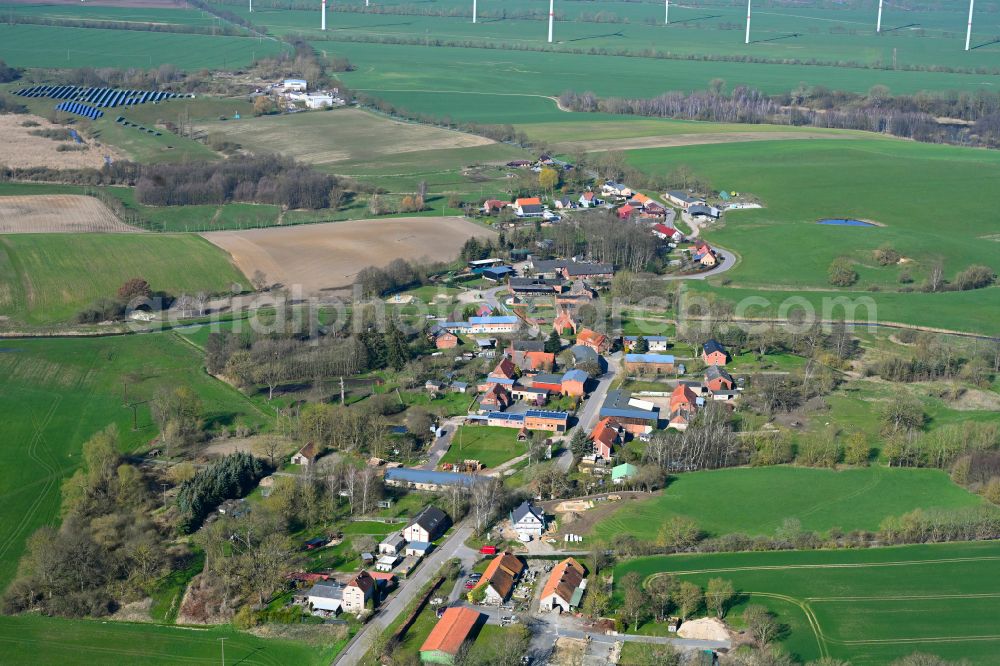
[(319, 257), (675, 140), (57, 213)]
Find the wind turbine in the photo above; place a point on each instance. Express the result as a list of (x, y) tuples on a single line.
[(473, 11), (968, 32), (748, 22), (551, 15), (322, 24), (251, 6), (878, 21), (666, 12)]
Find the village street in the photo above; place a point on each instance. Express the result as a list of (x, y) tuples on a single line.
[(588, 415), (454, 546)]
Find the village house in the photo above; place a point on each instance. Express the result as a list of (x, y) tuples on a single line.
[(599, 342), (564, 588), (449, 635), (528, 521), (654, 343), (653, 211), (574, 383), (525, 346), (358, 591), (717, 379), (387, 563), (626, 212), (683, 397), (562, 203), (392, 544), (680, 419), (529, 286), (528, 207), (589, 200), (533, 395), (638, 417), (499, 578), (649, 364), (683, 199), (427, 525), (493, 206), (605, 436), (442, 338), (713, 353), (583, 355), (617, 190), (534, 361), (306, 455), (663, 232), (703, 254), (639, 200)]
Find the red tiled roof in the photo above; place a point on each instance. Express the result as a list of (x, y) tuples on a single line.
[(364, 580), (528, 201), (565, 578), (451, 631)]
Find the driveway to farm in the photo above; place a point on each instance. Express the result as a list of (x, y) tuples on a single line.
[(453, 547), (443, 443), (587, 418)]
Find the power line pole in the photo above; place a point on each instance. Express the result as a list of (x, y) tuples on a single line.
[(222, 642)]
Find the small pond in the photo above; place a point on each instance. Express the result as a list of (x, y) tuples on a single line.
[(841, 222)]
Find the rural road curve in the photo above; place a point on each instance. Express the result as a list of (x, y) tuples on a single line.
[(453, 547)]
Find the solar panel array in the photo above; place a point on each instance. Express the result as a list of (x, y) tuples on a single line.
[(80, 109), (99, 97)]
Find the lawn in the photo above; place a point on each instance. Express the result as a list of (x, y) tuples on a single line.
[(866, 606), (34, 639), (51, 277), (57, 393), (490, 445), (756, 501), (61, 47)]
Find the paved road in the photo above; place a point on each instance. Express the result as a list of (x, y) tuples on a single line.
[(588, 416), (453, 547), (441, 444)]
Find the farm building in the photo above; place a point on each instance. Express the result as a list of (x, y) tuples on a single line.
[(683, 199), (713, 353), (327, 596), (636, 416), (617, 190), (526, 346), (683, 398), (533, 285), (295, 85), (306, 455), (392, 544), (534, 361), (550, 382), (655, 343), (564, 588), (717, 379), (663, 232), (498, 273), (701, 210), (533, 419), (442, 338), (500, 576), (422, 479), (448, 635), (527, 520), (623, 472), (649, 364), (418, 548), (493, 206), (488, 325), (427, 525), (532, 394), (583, 354), (567, 269), (574, 382), (588, 200)]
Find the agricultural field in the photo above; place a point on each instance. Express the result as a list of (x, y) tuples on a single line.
[(757, 501), (490, 445), (342, 135), (56, 46), (58, 392), (48, 278), (57, 213), (24, 150), (866, 606), (48, 640), (318, 257)]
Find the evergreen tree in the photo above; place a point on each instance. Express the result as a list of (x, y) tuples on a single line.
[(641, 345), (553, 344), (396, 351)]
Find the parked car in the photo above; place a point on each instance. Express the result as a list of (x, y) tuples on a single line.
[(469, 584), (475, 576)]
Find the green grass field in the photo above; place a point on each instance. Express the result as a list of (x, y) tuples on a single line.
[(490, 445), (58, 392), (756, 501), (60, 47), (51, 277), (866, 606), (49, 640)]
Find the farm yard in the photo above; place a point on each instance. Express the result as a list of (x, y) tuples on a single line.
[(757, 501), (57, 213), (49, 278), (320, 257), (865, 606)]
